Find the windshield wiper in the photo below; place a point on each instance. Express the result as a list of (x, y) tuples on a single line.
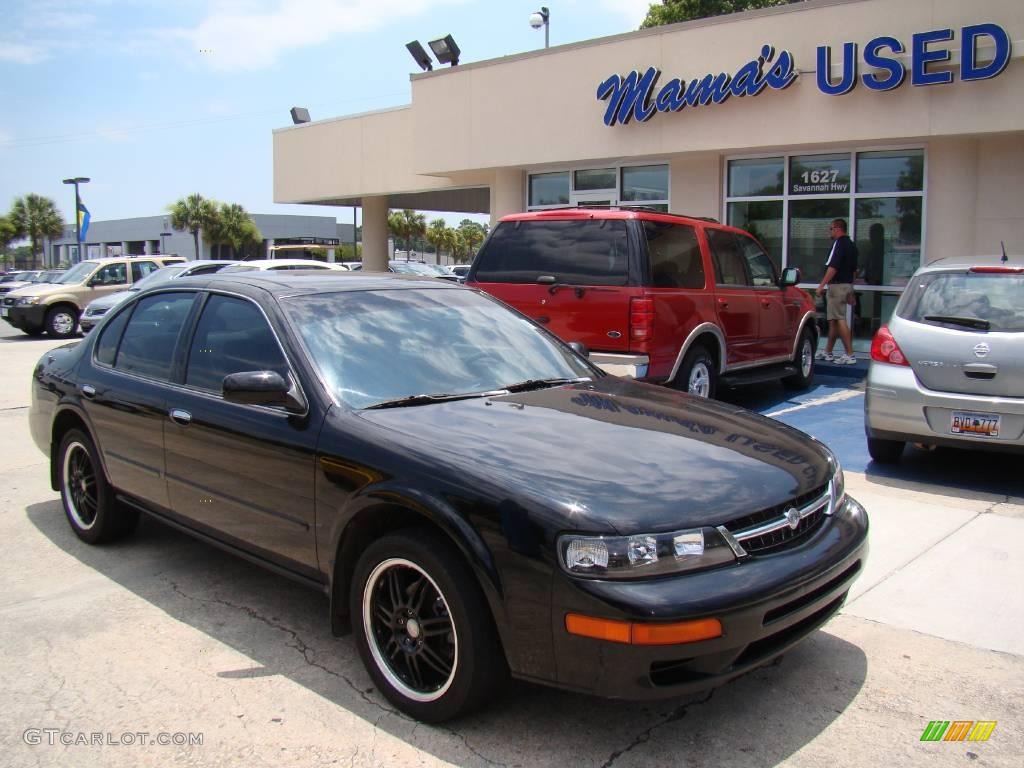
[(401, 402), (530, 384), (967, 322)]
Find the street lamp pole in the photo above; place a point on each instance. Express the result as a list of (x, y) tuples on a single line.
[(78, 231)]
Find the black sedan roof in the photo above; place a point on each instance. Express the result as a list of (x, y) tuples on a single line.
[(299, 282)]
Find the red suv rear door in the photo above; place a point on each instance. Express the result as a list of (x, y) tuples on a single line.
[(569, 273)]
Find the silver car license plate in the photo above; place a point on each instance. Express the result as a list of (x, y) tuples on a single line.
[(972, 423)]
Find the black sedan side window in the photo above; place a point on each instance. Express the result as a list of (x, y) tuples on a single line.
[(147, 346), (232, 336), (106, 347)]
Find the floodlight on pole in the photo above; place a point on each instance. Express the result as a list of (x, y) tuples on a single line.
[(540, 19), (78, 204), (421, 56), (445, 50)]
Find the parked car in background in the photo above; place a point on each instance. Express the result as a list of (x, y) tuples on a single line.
[(948, 368), (494, 504), (419, 268), (99, 307), (682, 301), (283, 265), (460, 271), (54, 308), (30, 277)]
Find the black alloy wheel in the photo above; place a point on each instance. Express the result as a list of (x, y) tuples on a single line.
[(92, 511), (424, 629)]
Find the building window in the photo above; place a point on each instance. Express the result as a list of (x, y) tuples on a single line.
[(645, 185), (593, 179), (787, 202), (549, 189)]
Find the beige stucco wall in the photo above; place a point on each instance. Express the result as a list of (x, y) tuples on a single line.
[(491, 123), (551, 99)]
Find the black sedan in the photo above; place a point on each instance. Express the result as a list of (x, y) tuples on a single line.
[(473, 496)]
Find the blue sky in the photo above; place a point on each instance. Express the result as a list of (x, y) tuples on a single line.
[(125, 92)]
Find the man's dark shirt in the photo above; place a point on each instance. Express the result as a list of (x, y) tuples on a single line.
[(844, 258)]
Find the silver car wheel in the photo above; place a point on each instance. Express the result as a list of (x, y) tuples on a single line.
[(700, 379)]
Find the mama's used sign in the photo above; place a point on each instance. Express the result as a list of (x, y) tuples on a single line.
[(638, 96)]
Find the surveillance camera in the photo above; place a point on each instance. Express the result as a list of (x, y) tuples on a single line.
[(536, 20)]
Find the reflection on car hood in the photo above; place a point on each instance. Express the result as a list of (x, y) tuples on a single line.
[(618, 453)]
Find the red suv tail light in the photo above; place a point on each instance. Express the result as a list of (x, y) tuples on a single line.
[(641, 319), (884, 348)]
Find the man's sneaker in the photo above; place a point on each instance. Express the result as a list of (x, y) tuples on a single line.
[(845, 360), (826, 356)]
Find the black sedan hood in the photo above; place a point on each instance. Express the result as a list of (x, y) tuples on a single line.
[(617, 454)]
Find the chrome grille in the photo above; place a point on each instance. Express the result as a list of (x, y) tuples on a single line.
[(770, 530)]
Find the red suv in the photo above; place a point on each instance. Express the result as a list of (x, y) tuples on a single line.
[(670, 299)]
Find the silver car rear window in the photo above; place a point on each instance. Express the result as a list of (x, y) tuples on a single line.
[(975, 298)]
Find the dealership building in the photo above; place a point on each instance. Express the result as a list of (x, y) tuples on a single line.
[(905, 118), (153, 234)]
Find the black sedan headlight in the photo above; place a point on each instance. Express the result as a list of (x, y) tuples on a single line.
[(644, 555)]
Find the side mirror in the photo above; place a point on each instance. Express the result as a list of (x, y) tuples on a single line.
[(579, 349), (790, 276), (261, 388)]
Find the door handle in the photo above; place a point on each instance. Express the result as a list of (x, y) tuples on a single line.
[(765, 303), (178, 416), (89, 391), (723, 303)]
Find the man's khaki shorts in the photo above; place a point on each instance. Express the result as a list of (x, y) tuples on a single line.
[(835, 306)]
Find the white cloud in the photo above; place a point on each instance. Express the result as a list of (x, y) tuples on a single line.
[(22, 54), (239, 37)]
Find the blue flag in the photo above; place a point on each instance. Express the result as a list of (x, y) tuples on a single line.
[(83, 219)]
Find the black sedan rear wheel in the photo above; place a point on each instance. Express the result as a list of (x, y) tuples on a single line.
[(93, 512), (423, 627)]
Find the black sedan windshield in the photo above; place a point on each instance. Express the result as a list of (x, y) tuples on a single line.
[(374, 347)]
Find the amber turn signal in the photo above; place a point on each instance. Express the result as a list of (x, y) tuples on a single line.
[(642, 634)]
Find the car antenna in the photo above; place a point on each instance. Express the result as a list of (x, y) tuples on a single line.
[(1003, 246)]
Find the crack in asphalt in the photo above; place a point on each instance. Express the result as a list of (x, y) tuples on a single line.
[(297, 642), (299, 645), (673, 717)]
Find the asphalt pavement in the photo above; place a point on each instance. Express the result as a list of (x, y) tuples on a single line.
[(164, 636)]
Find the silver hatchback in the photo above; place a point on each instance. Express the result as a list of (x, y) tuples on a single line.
[(948, 369)]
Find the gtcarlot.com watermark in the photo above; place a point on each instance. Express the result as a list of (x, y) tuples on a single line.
[(57, 736)]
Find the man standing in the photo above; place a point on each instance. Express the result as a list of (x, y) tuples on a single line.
[(839, 271)]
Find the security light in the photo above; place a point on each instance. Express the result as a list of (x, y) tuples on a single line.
[(421, 56), (445, 50), (540, 19), (300, 115)]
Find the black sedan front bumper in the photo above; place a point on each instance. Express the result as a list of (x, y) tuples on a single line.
[(765, 606)]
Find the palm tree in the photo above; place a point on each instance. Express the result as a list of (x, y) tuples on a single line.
[(193, 213), (407, 225), (435, 234), (473, 234), (35, 217), (233, 227)]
